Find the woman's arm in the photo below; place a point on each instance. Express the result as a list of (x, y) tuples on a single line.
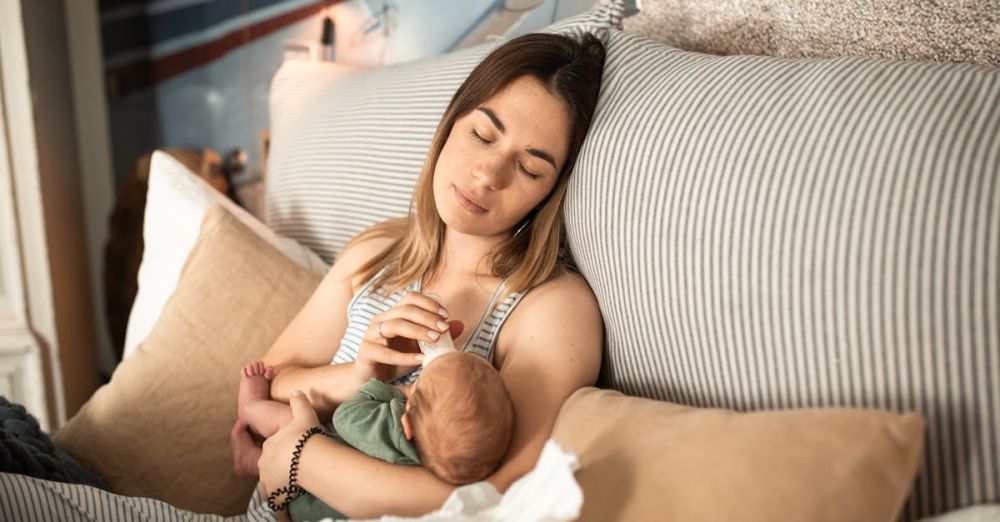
[(360, 486), (554, 350), (349, 481), (326, 386), (301, 355)]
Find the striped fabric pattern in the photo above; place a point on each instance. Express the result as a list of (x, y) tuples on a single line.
[(770, 233), (346, 149), (28, 499), (365, 305)]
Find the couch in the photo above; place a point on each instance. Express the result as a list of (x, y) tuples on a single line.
[(796, 261)]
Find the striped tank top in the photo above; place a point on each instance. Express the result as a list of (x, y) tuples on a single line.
[(366, 304)]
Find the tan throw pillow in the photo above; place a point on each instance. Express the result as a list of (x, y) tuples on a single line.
[(160, 427), (642, 459)]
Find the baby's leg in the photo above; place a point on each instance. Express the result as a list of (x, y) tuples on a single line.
[(262, 415), (257, 413), (245, 452)]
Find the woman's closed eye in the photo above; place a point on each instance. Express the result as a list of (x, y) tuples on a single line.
[(480, 138), (526, 171), (520, 165)]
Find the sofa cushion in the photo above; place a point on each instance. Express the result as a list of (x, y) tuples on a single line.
[(774, 233), (347, 146), (642, 459), (176, 202), (160, 427)]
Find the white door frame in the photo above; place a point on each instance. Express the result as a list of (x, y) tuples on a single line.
[(32, 377)]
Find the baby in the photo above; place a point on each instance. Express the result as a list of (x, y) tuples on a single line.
[(456, 419)]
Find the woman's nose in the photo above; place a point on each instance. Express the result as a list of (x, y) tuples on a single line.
[(492, 172)]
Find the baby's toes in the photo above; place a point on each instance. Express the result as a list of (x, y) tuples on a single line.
[(268, 372)]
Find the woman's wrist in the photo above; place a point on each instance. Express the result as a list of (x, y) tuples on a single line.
[(279, 499)]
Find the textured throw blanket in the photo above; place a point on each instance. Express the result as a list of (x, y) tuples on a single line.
[(26, 450)]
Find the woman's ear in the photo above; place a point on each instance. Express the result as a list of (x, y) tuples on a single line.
[(407, 427)]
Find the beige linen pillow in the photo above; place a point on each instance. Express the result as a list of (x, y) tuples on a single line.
[(642, 459), (160, 427)]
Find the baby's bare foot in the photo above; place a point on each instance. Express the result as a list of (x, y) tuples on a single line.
[(255, 385), (245, 452)]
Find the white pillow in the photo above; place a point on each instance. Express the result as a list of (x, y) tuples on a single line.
[(175, 203)]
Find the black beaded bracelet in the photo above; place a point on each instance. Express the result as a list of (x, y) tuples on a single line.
[(293, 490)]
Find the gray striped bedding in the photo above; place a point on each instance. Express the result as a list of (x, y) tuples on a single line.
[(774, 233), (28, 499)]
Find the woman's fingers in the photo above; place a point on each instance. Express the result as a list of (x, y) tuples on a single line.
[(401, 327), (302, 410), (377, 353), (408, 320), (429, 302)]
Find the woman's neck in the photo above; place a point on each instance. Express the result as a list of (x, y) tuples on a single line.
[(467, 255)]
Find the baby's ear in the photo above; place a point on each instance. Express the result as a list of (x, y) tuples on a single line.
[(407, 427)]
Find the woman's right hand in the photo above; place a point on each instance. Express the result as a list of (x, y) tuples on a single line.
[(395, 352)]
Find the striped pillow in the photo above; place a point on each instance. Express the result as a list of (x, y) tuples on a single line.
[(347, 147), (772, 233)]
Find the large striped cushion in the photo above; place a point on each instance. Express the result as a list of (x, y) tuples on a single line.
[(347, 146), (773, 233)]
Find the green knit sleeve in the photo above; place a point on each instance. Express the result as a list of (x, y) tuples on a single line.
[(370, 422)]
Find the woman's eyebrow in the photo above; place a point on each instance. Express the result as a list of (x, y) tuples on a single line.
[(493, 117), (499, 125), (544, 155)]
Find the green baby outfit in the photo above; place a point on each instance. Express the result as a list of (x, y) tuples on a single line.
[(370, 422)]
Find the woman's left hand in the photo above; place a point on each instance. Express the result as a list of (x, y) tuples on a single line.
[(276, 458)]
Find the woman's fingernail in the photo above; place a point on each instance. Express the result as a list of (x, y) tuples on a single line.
[(419, 357), (296, 393), (443, 313), (442, 325), (432, 334)]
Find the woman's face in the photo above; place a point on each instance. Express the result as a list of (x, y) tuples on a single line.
[(505, 155)]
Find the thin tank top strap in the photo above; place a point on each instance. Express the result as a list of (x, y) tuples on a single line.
[(364, 290)]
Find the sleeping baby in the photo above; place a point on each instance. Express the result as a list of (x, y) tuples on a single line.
[(456, 420)]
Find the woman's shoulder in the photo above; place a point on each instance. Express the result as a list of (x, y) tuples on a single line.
[(562, 305), (564, 294), (364, 246), (564, 283)]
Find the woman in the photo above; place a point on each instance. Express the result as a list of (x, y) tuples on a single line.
[(485, 226)]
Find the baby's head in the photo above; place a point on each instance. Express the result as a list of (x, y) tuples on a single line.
[(460, 417)]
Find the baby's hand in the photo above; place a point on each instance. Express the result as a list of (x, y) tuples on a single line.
[(407, 389)]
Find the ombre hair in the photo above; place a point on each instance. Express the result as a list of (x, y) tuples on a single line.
[(570, 70)]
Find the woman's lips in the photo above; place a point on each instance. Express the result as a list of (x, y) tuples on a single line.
[(466, 204)]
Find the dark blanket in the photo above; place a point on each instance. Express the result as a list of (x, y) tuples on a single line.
[(25, 449)]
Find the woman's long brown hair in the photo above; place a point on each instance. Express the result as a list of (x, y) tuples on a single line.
[(570, 70)]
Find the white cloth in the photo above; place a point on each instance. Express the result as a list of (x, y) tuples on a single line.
[(547, 493), (980, 513)]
